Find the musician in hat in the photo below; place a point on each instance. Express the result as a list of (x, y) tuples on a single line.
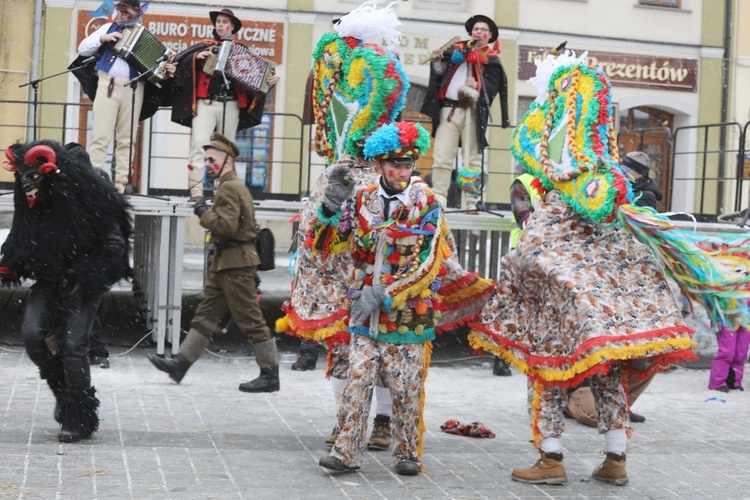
[(231, 283), (210, 103), (464, 81), (114, 104)]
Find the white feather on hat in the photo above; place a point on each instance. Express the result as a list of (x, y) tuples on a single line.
[(369, 23), (547, 66)]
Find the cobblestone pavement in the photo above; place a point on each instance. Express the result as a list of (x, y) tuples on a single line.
[(205, 439)]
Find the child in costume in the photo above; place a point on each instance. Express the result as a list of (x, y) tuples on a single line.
[(579, 297)]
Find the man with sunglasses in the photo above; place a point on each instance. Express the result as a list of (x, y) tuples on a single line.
[(230, 287)]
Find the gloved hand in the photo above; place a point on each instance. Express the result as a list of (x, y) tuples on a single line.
[(339, 189), (364, 303), (200, 206)]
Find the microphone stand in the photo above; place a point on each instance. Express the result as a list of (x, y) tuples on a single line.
[(133, 84), (35, 85)]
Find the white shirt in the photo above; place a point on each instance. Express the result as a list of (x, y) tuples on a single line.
[(403, 197), (458, 80), (89, 46)]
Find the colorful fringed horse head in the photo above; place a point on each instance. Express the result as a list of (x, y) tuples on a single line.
[(358, 86), (567, 138)]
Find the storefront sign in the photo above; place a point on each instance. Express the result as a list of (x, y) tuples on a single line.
[(626, 70), (265, 39)]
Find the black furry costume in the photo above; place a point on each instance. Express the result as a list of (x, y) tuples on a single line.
[(70, 233)]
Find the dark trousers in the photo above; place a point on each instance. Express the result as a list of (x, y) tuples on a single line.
[(51, 307)]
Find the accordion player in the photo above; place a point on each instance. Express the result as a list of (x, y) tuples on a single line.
[(223, 90)]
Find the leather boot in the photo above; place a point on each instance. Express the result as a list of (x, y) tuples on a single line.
[(267, 381), (612, 470), (380, 439), (547, 470), (267, 357), (191, 350)]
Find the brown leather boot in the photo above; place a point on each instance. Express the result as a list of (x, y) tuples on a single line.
[(612, 470), (547, 470)]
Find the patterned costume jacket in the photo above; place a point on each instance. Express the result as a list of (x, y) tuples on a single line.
[(404, 253)]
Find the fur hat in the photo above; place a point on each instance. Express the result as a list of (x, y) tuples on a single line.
[(226, 12), (637, 161), (223, 144), (479, 18)]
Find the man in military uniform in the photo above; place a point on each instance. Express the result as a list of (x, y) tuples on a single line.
[(231, 283)]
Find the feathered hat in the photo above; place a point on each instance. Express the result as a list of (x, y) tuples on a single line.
[(397, 140), (566, 138), (357, 85)]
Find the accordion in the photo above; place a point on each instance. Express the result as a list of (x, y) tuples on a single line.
[(142, 50), (236, 63)]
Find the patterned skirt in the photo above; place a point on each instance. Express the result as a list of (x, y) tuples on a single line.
[(574, 297)]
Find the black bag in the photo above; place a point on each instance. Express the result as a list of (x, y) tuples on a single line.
[(266, 247)]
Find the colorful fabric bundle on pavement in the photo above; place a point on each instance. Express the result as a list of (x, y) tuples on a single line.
[(474, 429)]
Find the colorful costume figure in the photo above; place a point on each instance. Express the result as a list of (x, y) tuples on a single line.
[(397, 236), (206, 104), (463, 84), (579, 297), (357, 87), (70, 233)]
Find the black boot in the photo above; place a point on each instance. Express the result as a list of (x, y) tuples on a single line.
[(501, 368), (304, 363), (176, 367), (267, 381), (78, 415), (53, 372)]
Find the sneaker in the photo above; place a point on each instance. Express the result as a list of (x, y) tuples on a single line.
[(612, 470), (407, 468), (549, 469), (335, 464), (331, 439), (380, 439), (99, 361), (304, 363)]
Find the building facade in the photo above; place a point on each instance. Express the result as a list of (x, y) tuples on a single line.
[(665, 59)]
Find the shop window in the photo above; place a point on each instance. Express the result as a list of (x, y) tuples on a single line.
[(672, 4), (256, 150)]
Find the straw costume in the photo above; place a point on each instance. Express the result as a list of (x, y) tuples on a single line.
[(579, 298)]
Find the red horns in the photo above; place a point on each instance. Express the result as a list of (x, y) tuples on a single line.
[(41, 151), (8, 165)]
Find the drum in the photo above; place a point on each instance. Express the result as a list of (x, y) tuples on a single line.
[(142, 50), (239, 65)]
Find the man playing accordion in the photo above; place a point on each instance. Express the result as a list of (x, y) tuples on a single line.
[(212, 102), (114, 104)]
